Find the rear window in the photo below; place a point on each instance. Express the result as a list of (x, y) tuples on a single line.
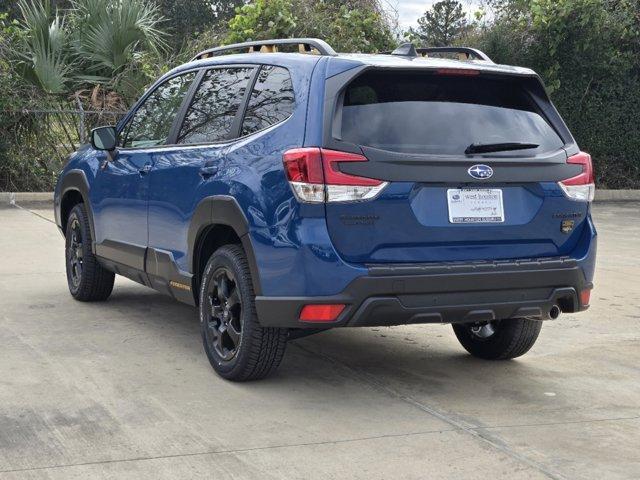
[(213, 109), (443, 115)]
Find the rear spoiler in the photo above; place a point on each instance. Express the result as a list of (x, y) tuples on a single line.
[(464, 53)]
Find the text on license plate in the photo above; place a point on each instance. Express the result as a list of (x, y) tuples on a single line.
[(475, 205)]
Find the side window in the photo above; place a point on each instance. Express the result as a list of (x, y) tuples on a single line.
[(151, 124), (272, 100), (213, 109)]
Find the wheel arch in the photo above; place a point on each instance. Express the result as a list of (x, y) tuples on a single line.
[(74, 189), (218, 220)]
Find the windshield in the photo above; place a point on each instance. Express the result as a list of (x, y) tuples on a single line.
[(443, 114)]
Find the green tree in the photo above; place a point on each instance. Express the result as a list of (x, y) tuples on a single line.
[(351, 25), (588, 53), (264, 19), (442, 24), (189, 18)]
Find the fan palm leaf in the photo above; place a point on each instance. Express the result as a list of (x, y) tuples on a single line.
[(42, 53), (109, 33)]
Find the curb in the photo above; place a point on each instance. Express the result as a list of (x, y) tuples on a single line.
[(617, 195), (11, 198)]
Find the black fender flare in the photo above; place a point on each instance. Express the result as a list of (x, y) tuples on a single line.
[(222, 210), (74, 180)]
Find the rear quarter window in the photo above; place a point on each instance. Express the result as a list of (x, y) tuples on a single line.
[(425, 113), (272, 100)]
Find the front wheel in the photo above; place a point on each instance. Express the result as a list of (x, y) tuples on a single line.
[(88, 280), (500, 339), (237, 346)]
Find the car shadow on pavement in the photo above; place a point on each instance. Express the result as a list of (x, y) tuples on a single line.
[(426, 359), (422, 360)]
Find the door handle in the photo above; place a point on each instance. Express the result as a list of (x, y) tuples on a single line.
[(145, 169), (208, 171)]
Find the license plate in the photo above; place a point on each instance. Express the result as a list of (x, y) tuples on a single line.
[(475, 205)]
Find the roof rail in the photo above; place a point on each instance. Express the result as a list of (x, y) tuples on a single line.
[(408, 49), (305, 45)]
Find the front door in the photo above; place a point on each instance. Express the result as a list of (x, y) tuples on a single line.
[(119, 200), (120, 193)]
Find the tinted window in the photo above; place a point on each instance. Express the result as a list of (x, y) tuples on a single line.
[(272, 100), (151, 124), (214, 106), (435, 114)]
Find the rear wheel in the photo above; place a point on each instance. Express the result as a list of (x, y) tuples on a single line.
[(88, 280), (237, 346), (498, 340)]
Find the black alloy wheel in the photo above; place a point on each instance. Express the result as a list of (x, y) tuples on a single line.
[(237, 346), (75, 253), (223, 331)]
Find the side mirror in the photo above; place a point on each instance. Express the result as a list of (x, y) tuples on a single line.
[(104, 138)]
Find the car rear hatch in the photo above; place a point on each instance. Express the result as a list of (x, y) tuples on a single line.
[(468, 164)]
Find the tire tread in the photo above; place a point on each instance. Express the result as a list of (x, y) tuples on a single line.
[(514, 338)]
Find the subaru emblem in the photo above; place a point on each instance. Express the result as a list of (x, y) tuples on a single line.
[(481, 172)]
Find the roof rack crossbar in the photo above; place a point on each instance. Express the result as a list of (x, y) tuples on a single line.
[(305, 45)]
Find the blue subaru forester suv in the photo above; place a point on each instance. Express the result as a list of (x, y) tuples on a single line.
[(285, 189)]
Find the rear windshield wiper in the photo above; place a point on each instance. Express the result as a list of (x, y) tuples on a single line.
[(498, 147)]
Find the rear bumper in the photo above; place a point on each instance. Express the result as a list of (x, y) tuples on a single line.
[(443, 293)]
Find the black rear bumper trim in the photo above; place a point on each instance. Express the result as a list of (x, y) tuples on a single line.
[(478, 266), (442, 293)]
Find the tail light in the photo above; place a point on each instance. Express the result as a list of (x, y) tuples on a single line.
[(581, 187), (314, 176)]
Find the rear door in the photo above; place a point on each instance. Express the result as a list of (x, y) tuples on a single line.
[(204, 136), (472, 161)]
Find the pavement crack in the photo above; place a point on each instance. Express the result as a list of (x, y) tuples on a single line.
[(33, 213), (480, 433), (26, 274), (229, 451), (558, 424)]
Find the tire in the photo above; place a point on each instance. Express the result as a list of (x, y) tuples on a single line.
[(510, 338), (238, 348), (88, 280)]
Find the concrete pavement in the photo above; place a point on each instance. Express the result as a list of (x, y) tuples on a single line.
[(123, 389)]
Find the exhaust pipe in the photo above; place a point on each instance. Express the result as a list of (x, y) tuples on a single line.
[(554, 312)]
